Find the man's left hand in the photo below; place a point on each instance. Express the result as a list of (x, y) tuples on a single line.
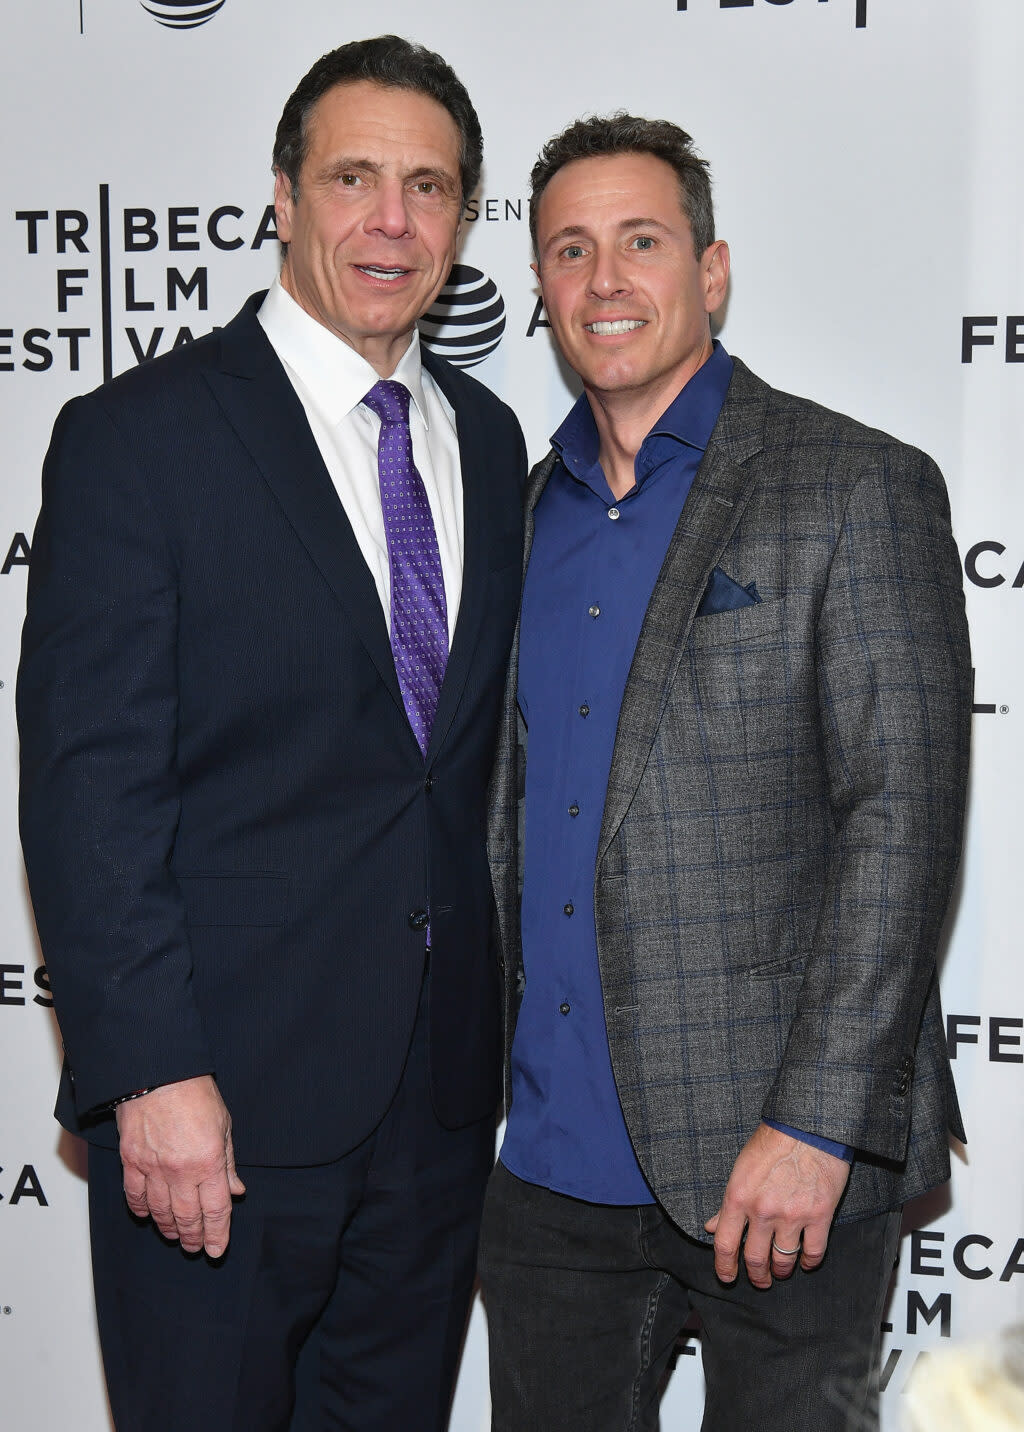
[(784, 1193)]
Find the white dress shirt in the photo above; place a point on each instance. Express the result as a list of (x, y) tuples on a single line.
[(331, 380)]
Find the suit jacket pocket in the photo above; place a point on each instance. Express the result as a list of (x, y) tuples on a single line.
[(778, 968), (741, 624), (234, 899)]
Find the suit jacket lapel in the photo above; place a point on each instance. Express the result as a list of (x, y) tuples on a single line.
[(263, 408), (503, 795), (535, 485), (720, 491), (473, 459)]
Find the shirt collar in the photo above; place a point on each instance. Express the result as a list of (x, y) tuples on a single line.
[(335, 376), (690, 417)]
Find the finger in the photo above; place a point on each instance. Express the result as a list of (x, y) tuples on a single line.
[(187, 1214), (814, 1245), (158, 1200), (783, 1263), (235, 1184), (215, 1202), (728, 1237), (757, 1255), (135, 1191)]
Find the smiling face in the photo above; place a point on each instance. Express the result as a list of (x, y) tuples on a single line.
[(627, 298), (371, 230)]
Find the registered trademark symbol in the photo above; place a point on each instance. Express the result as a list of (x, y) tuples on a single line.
[(1004, 710), (8, 1311)]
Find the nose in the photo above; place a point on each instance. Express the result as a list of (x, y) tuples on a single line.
[(609, 277), (389, 212)]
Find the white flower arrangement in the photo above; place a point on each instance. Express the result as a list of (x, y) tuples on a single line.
[(973, 1388)]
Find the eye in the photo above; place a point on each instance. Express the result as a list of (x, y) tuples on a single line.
[(643, 242), (573, 251), (349, 180), (427, 186)]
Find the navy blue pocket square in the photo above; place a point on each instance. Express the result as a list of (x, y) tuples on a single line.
[(722, 594)]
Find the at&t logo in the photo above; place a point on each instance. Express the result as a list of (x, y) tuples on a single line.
[(182, 14), (467, 319)]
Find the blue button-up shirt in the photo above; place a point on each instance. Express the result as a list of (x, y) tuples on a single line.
[(593, 567)]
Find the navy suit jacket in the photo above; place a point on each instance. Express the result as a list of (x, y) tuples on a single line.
[(229, 829)]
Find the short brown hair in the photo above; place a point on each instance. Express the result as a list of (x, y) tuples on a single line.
[(393, 63), (599, 136)]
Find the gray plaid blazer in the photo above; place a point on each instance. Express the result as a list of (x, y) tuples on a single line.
[(784, 813)]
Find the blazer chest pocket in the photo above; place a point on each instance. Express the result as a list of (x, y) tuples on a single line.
[(760, 619), (225, 900), (790, 966)]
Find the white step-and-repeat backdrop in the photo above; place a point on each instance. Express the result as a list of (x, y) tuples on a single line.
[(868, 176)]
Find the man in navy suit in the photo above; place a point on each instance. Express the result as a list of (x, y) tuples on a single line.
[(257, 718)]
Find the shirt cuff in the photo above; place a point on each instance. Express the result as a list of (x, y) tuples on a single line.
[(828, 1146)]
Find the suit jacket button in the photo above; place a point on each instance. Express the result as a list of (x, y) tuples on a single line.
[(428, 784), (419, 920)]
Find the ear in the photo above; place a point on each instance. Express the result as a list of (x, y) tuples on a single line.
[(284, 206), (715, 267), (536, 269)]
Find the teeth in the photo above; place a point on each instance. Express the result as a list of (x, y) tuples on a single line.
[(387, 273), (621, 325)]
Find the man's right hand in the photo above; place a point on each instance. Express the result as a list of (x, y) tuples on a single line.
[(179, 1164)]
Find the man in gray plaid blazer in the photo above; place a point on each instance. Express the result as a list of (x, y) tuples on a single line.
[(742, 675)]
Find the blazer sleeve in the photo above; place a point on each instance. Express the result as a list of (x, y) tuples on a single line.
[(97, 708), (894, 688)]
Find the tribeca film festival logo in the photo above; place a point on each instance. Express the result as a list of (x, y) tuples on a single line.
[(467, 319), (114, 261), (985, 708), (125, 261), (973, 1257), (981, 330), (15, 1186), (860, 7), (987, 566), (172, 14)]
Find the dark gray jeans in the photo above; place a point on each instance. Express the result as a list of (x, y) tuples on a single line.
[(585, 1302)]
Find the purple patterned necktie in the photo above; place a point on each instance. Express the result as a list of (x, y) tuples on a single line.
[(419, 614)]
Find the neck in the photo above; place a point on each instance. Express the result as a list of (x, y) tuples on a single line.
[(383, 351), (625, 416)]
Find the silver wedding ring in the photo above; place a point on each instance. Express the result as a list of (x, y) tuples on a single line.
[(786, 1252)]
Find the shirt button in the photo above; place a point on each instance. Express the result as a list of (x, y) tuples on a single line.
[(594, 611), (568, 907), (613, 513), (574, 809), (584, 709), (564, 1007)]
